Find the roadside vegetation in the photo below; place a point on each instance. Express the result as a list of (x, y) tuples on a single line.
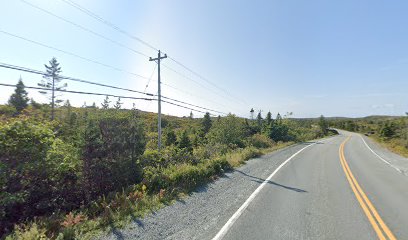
[(391, 132), (69, 173)]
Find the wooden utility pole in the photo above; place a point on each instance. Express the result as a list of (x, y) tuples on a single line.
[(159, 57)]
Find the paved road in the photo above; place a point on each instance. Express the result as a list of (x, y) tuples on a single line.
[(344, 187)]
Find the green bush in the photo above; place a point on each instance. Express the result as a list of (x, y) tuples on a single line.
[(7, 110), (183, 176), (229, 131), (239, 156), (260, 141), (25, 187)]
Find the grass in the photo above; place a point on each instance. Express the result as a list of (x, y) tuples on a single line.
[(395, 145), (237, 158)]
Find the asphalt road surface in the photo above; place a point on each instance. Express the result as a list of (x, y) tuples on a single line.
[(343, 187)]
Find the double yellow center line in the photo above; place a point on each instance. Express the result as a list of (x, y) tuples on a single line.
[(381, 229)]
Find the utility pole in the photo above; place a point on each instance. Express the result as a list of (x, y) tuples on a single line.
[(159, 57)]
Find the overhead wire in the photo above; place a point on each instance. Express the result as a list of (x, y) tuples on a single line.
[(84, 28), (104, 21), (72, 54), (18, 68), (196, 82), (205, 79), (110, 24), (150, 78), (190, 103), (103, 94), (175, 104), (95, 16), (79, 92)]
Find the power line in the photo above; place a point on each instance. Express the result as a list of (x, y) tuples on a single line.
[(194, 105), (18, 68), (101, 94), (187, 93), (111, 25), (84, 28), (72, 54), (198, 83), (150, 78), (175, 104), (105, 38), (79, 92), (205, 79)]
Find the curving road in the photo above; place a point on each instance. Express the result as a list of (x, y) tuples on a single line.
[(344, 187)]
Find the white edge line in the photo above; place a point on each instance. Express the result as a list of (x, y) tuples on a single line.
[(382, 159), (238, 213)]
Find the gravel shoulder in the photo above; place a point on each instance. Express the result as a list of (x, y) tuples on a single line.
[(397, 161), (206, 210)]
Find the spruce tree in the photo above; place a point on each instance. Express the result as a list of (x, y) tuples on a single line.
[(259, 119), (118, 104), (19, 98), (207, 122), (323, 124), (184, 142), (105, 104), (171, 137), (52, 80), (268, 118)]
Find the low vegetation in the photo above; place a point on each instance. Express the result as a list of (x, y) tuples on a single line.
[(91, 169), (391, 132)]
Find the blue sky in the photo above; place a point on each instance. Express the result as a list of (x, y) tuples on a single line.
[(336, 58)]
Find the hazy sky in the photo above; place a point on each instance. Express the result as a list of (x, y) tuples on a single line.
[(336, 58)]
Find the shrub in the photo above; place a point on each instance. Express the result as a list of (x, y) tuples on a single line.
[(25, 186), (260, 141), (229, 131), (28, 232), (7, 110), (112, 146), (183, 176), (238, 157)]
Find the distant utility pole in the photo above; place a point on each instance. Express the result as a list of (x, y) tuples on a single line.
[(159, 57)]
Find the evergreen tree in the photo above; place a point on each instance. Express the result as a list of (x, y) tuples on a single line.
[(19, 98), (191, 115), (118, 104), (388, 130), (259, 119), (268, 118), (106, 102), (207, 122), (278, 118), (52, 81), (323, 125), (184, 142), (171, 137)]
